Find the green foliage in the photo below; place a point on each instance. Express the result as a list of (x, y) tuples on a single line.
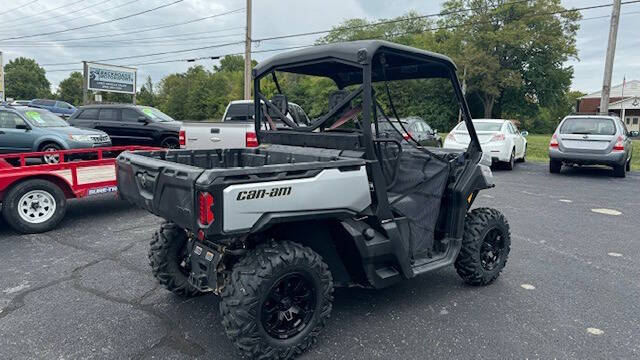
[(25, 79), (146, 95), (70, 89)]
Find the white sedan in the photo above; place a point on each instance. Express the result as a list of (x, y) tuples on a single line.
[(498, 138)]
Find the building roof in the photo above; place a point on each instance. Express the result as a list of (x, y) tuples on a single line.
[(342, 61), (631, 89)]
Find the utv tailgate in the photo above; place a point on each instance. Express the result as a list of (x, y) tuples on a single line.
[(166, 189)]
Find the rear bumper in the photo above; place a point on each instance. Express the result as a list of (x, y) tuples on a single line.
[(612, 158), (498, 151)]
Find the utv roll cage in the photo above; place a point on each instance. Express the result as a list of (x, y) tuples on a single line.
[(350, 64)]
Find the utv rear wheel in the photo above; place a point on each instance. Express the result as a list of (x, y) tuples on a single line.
[(485, 246), (555, 166), (168, 259), (277, 300)]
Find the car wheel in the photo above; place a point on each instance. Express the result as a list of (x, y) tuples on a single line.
[(555, 166), (53, 158), (524, 156), (277, 300), (628, 167), (170, 143), (486, 243), (512, 160), (34, 206), (620, 171)]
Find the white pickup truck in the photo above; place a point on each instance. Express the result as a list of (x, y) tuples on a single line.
[(236, 130)]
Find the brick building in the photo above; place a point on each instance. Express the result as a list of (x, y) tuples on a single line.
[(628, 108)]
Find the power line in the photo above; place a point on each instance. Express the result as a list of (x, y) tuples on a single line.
[(153, 28), (42, 13), (279, 37), (18, 7), (94, 24), (59, 22)]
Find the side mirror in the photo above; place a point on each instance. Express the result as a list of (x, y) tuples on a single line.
[(22, 127), (143, 119), (633, 133), (524, 133)]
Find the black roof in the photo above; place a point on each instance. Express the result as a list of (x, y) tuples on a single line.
[(110, 106), (341, 62)]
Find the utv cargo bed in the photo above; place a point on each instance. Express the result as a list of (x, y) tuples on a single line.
[(167, 183)]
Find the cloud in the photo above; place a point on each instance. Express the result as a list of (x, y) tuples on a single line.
[(269, 18)]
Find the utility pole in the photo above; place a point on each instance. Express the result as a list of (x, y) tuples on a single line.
[(247, 55), (611, 52), (2, 94), (85, 82)]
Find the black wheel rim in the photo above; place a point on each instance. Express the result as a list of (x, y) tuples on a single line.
[(492, 249), (289, 306)]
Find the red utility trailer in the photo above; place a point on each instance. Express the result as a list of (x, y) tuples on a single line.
[(34, 194)]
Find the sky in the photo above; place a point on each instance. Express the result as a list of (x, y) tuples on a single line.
[(137, 35)]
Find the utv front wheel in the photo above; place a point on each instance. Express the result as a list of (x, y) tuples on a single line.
[(168, 260), (277, 301), (485, 246)]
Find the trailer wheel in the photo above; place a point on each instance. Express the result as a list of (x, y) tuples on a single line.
[(167, 254), (34, 206), (277, 301), (486, 243)]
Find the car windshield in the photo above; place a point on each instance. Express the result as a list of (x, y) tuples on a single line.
[(43, 118), (482, 126), (156, 114), (588, 126)]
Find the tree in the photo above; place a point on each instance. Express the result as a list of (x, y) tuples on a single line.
[(70, 89), (518, 48), (25, 79), (146, 95)]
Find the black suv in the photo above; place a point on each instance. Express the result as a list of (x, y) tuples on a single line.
[(130, 124)]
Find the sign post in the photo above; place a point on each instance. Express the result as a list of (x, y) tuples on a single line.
[(109, 78)]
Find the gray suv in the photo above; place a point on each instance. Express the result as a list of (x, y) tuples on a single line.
[(24, 129), (591, 140)]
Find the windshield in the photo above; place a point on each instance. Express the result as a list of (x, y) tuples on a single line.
[(588, 126), (481, 126), (43, 118), (156, 114)]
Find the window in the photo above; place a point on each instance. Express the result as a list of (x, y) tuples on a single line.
[(635, 121), (45, 102), (10, 120), (628, 120), (109, 114), (427, 128), (588, 126), (130, 115), (63, 105), (482, 126), (240, 112), (89, 114)]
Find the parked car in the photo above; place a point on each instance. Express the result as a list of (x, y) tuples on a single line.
[(236, 130), (129, 124), (498, 138), (24, 129), (418, 129), (591, 140), (60, 108), (20, 102)]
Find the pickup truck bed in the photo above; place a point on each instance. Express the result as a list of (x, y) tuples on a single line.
[(245, 184)]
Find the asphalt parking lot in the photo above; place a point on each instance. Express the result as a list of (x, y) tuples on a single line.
[(570, 288)]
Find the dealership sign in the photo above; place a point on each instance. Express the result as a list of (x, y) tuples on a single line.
[(111, 78)]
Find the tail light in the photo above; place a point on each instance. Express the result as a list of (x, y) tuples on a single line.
[(498, 137), (205, 200), (451, 137), (182, 138), (554, 141), (406, 136), (619, 146), (251, 139)]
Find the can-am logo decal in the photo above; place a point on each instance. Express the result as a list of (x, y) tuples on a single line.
[(264, 193)]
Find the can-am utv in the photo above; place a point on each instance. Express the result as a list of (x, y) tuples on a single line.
[(327, 203)]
